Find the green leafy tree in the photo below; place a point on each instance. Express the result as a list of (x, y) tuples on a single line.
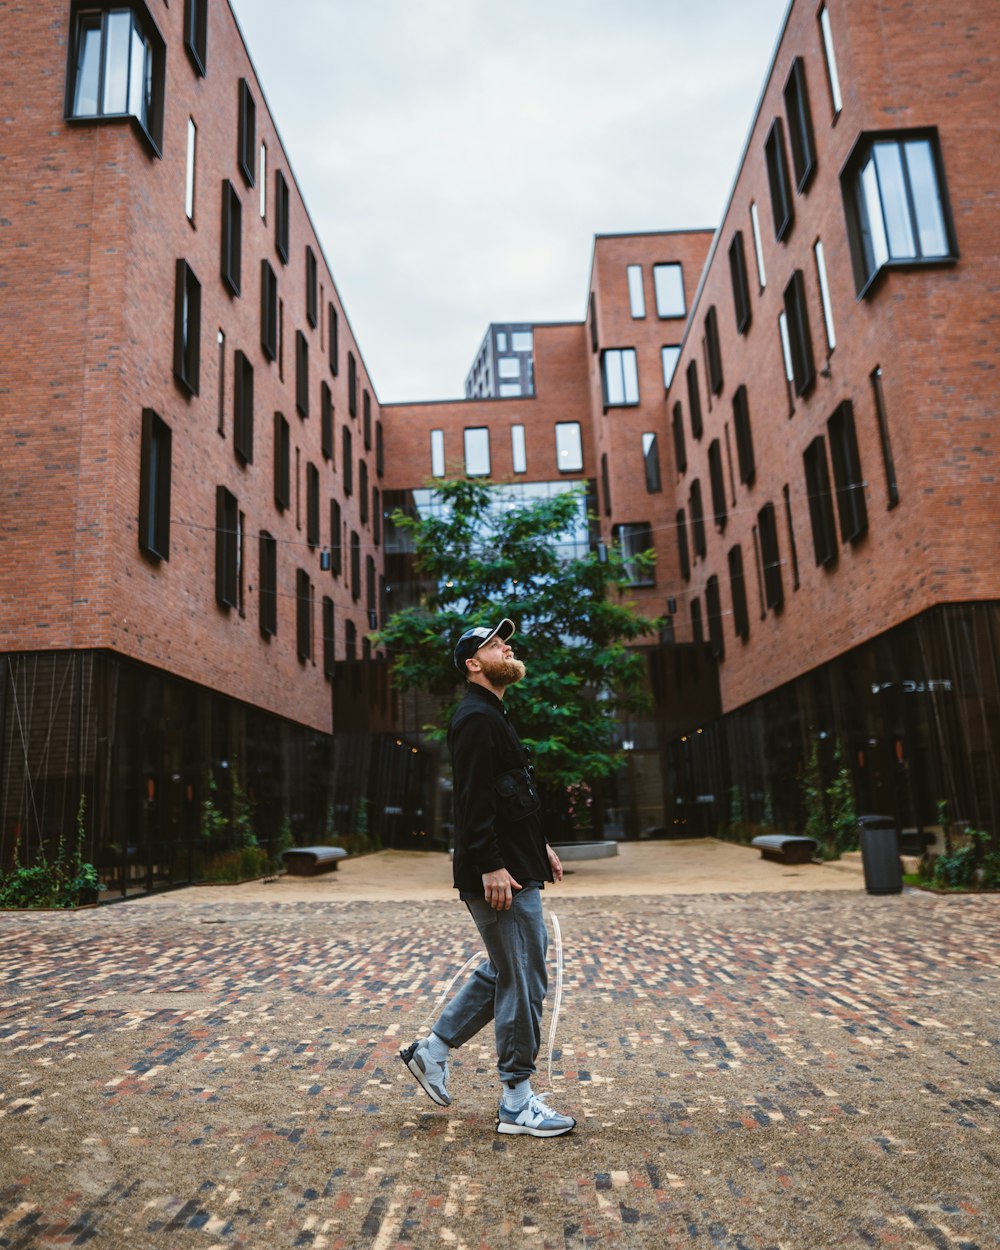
[(484, 556)]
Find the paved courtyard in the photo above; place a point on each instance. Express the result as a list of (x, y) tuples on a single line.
[(217, 1068)]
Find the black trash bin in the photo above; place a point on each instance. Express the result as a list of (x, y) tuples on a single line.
[(880, 854)]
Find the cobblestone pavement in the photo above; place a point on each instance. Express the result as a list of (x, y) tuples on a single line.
[(794, 1071)]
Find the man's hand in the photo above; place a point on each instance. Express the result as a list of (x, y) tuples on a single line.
[(499, 887), (555, 863)]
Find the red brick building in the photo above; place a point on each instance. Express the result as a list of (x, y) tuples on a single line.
[(796, 412)]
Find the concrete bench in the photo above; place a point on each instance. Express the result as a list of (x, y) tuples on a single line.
[(786, 849), (585, 850), (308, 861)]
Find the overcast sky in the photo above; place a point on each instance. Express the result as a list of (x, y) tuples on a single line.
[(458, 156)]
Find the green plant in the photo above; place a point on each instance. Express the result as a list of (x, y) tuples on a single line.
[(64, 881), (241, 822), (814, 798), (843, 815), (242, 864), (213, 822), (958, 869)]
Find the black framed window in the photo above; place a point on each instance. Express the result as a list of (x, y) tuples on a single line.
[(352, 385), (366, 419), (606, 483), (281, 213), (379, 450), (888, 461), (896, 201), (713, 351), (792, 548), (312, 504), (694, 399), (268, 311), (820, 498), (243, 408), (246, 138), (347, 459), (329, 636), (333, 339), (363, 491), (713, 608), (267, 584), (232, 238), (592, 320), (371, 592), (196, 33), (668, 285), (355, 565), (303, 615), (635, 539), (154, 485), (651, 463), (680, 446), (847, 476), (744, 436), (116, 67), (619, 377), (683, 554), (717, 483), (697, 627), (350, 640), (282, 463), (778, 180), (376, 516), (187, 327), (312, 294), (697, 514), (301, 374), (326, 420), (770, 555), (336, 539), (738, 593), (799, 334), (741, 285), (227, 548), (800, 127)]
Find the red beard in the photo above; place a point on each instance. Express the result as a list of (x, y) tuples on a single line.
[(501, 673)]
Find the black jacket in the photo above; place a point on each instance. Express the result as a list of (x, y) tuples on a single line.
[(498, 823)]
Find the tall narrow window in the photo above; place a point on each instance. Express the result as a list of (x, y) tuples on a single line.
[(267, 584), (347, 459), (606, 483), (312, 296), (333, 339), (379, 449), (262, 180), (760, 575), (758, 245), (680, 447), (336, 539), (694, 399), (636, 295), (243, 408), (247, 133), (281, 340), (738, 593), (824, 293), (744, 436), (282, 463), (770, 555), (892, 487), (437, 453), (799, 335), (697, 628), (227, 548), (820, 502), (791, 536), (371, 593), (847, 476), (620, 376), (329, 644), (232, 237), (221, 352), (741, 288), (196, 33), (697, 514), (830, 57), (683, 555), (477, 451), (592, 319), (651, 463), (713, 609), (281, 231), (786, 357), (363, 496), (800, 127), (519, 459), (569, 447), (355, 566), (635, 540), (303, 615), (778, 180), (366, 419), (326, 421), (189, 168), (350, 640), (154, 486), (717, 483), (376, 516), (268, 311), (312, 505), (713, 351), (669, 357), (352, 385), (668, 283), (187, 327), (301, 374)]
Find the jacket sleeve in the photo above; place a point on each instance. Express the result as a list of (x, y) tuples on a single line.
[(472, 751)]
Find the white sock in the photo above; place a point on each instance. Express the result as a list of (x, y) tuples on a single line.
[(438, 1049), (514, 1099)]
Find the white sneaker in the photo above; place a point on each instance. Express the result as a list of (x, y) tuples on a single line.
[(535, 1118)]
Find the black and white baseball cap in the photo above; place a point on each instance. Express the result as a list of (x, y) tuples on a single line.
[(479, 636)]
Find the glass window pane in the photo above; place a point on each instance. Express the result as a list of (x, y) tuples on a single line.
[(824, 291), (892, 188), (758, 246), (477, 452), (508, 367), (137, 77), (569, 448), (521, 341), (669, 357), (263, 180), (831, 60), (437, 453), (873, 226), (189, 180), (501, 340), (118, 38), (509, 390), (636, 295), (926, 198), (786, 349), (614, 386), (668, 281), (630, 376), (517, 449), (88, 68)]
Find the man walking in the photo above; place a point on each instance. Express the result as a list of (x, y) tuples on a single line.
[(502, 862)]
